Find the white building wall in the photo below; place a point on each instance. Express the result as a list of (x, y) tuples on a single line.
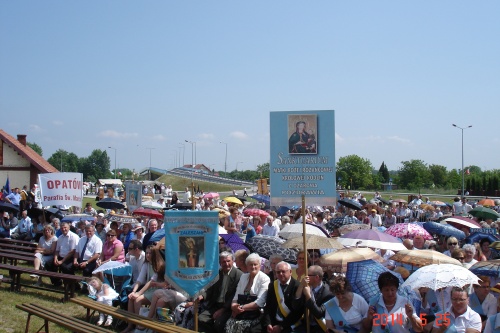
[(12, 159), (17, 178)]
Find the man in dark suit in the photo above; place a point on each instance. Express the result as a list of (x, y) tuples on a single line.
[(314, 293), (280, 316), (218, 298), (274, 259)]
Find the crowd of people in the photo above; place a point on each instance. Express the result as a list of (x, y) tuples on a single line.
[(253, 294)]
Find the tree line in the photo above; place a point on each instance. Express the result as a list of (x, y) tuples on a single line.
[(358, 173), (353, 172)]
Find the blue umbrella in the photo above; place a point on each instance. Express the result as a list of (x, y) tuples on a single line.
[(488, 268), (262, 198), (336, 223), (110, 203), (444, 229), (234, 242), (477, 236), (282, 210), (363, 276), (8, 207), (349, 203)]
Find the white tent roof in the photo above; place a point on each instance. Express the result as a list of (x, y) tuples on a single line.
[(110, 182)]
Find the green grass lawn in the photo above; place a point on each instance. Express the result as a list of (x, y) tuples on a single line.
[(13, 320)]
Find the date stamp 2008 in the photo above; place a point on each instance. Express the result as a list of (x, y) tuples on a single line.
[(383, 319)]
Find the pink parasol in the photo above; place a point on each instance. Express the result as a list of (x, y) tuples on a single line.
[(255, 212), (211, 195), (408, 230)]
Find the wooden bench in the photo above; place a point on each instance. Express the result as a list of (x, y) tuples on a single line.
[(126, 316), (69, 281), (10, 246), (58, 318), (17, 252), (18, 242), (14, 257)]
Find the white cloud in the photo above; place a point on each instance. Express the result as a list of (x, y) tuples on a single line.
[(338, 138), (115, 134), (206, 136), (398, 139), (238, 135), (57, 123), (35, 127), (375, 138), (159, 137)]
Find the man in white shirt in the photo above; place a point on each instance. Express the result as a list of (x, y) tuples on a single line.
[(466, 207), (459, 315), (269, 228), (187, 195), (23, 227), (375, 219), (137, 258), (65, 251), (417, 201), (482, 300), (87, 252)]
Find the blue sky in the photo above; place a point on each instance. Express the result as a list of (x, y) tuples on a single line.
[(136, 75)]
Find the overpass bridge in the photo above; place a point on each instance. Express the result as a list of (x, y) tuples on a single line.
[(194, 174)]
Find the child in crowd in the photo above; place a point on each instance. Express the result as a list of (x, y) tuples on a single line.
[(104, 294)]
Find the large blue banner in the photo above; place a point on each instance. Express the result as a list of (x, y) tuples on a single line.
[(191, 250), (302, 160)]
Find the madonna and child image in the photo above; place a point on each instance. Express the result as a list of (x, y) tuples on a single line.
[(303, 134)]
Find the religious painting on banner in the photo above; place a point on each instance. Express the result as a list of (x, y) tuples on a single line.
[(192, 258), (302, 160), (62, 188), (133, 195), (303, 130)]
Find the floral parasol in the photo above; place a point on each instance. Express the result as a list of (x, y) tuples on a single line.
[(408, 230)]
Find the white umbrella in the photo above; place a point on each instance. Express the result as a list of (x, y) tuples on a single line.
[(151, 204), (372, 238), (439, 276), (109, 266), (296, 230)]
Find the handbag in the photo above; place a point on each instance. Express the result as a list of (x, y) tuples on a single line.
[(247, 315)]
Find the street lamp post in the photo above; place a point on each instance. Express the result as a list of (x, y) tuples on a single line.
[(463, 171), (115, 159), (225, 160), (150, 149), (183, 151), (192, 157), (175, 157)]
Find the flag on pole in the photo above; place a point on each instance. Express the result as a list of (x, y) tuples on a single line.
[(467, 172), (6, 188)]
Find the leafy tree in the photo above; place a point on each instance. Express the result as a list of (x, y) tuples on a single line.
[(415, 175), (474, 170), (263, 169), (96, 166), (439, 175), (65, 161), (356, 170), (125, 173), (35, 147), (384, 173)]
